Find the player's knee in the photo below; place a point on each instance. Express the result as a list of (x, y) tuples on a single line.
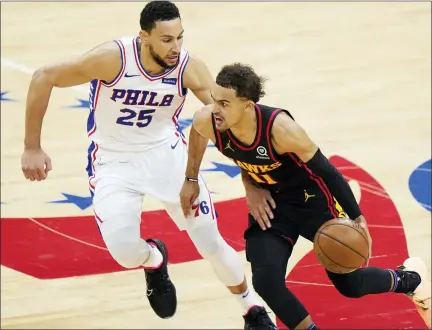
[(268, 281), (207, 240), (347, 284), (126, 248)]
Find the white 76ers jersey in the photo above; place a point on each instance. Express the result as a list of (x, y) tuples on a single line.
[(136, 111)]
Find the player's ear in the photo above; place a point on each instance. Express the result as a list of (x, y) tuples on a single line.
[(144, 35), (249, 105)]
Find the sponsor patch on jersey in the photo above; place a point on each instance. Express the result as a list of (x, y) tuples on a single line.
[(169, 81)]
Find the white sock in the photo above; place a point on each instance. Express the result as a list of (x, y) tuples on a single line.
[(155, 258), (247, 300)]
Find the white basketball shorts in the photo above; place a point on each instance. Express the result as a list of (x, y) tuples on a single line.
[(119, 181)]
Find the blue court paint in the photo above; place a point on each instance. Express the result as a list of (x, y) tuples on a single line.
[(420, 184)]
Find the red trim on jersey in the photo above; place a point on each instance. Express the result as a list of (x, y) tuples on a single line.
[(123, 68), (97, 217), (321, 184), (180, 75), (174, 119), (93, 157), (257, 137), (93, 130), (141, 68), (268, 134), (217, 134), (96, 99)]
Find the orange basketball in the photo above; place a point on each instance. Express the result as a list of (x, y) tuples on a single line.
[(341, 245)]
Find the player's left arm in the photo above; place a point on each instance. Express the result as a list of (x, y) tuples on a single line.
[(289, 137), (199, 80)]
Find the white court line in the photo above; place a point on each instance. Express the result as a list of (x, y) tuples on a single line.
[(66, 236), (422, 169), (309, 283), (25, 69)]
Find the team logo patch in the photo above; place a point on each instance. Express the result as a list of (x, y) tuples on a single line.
[(169, 81), (262, 153), (200, 207)]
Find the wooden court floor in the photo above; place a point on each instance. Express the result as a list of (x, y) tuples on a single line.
[(357, 76)]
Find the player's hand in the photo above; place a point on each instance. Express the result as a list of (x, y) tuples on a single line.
[(188, 194), (259, 201), (35, 164), (363, 224)]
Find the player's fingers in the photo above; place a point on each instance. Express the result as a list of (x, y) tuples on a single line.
[(28, 176), (29, 173), (258, 218), (268, 210), (272, 202), (264, 217), (183, 204), (41, 174), (48, 166)]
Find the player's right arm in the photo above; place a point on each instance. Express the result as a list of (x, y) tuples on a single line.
[(203, 127), (102, 63)]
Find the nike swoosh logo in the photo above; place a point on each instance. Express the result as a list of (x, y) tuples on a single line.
[(245, 295), (175, 145), (127, 75), (149, 292)]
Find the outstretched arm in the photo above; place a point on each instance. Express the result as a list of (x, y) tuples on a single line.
[(102, 62)]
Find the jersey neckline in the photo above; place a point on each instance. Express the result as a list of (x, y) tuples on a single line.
[(141, 66), (258, 132)]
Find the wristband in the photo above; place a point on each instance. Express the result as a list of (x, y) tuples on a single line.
[(191, 179)]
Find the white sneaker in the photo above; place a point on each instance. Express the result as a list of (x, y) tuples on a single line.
[(422, 295)]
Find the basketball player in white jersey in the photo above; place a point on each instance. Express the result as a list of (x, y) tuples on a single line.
[(138, 87)]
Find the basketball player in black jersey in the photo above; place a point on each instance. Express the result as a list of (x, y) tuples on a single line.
[(291, 189)]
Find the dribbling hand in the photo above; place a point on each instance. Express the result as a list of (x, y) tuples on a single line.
[(258, 201), (363, 224), (35, 164)]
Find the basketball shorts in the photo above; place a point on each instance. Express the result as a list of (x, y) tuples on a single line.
[(120, 180), (300, 212)]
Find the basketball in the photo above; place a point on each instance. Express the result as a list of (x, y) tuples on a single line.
[(341, 245)]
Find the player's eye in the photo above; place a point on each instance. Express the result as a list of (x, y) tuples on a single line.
[(167, 41)]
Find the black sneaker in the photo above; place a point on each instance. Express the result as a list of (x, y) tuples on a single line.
[(414, 282), (161, 292), (408, 281), (258, 319)]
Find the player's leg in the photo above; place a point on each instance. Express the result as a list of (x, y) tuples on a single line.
[(368, 280), (269, 252), (117, 209), (203, 230)]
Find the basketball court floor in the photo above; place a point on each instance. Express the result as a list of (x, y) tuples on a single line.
[(357, 76)]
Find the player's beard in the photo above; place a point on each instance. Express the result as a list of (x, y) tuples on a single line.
[(159, 60)]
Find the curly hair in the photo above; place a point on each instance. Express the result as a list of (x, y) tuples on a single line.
[(156, 11), (243, 79)]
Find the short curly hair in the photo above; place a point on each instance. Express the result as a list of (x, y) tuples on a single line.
[(156, 11), (243, 79)]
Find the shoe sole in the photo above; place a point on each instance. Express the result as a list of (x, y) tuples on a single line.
[(422, 295)]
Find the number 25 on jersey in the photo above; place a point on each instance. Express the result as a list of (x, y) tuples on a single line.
[(141, 118)]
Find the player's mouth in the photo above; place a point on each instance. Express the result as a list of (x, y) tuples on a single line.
[(218, 121), (173, 58)]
